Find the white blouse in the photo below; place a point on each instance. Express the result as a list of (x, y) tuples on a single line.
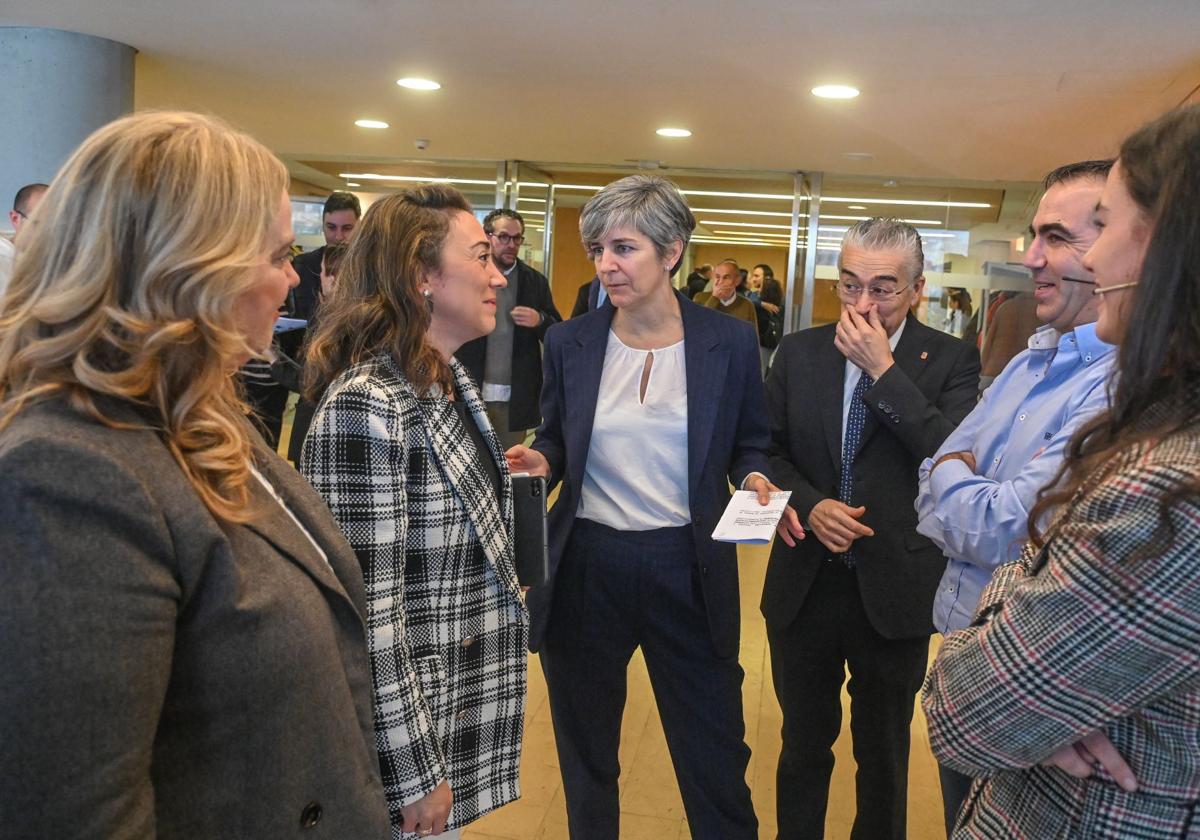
[(636, 476), (262, 479)]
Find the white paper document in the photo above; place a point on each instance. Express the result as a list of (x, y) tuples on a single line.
[(746, 521)]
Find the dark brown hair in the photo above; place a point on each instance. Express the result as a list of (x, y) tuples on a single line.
[(1154, 392), (377, 306)]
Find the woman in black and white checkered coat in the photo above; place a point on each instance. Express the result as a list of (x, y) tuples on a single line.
[(402, 451)]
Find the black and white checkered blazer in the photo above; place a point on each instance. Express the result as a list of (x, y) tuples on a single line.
[(447, 624), (1091, 632)]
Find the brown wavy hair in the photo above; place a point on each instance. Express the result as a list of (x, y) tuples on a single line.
[(1156, 389), (377, 307), (123, 293)]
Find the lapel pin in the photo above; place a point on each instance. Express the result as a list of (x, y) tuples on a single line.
[(924, 355)]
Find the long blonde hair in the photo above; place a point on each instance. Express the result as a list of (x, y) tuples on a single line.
[(124, 289)]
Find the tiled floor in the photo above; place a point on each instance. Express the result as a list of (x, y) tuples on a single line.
[(650, 805)]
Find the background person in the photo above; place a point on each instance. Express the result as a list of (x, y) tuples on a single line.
[(24, 203), (724, 298), (653, 406), (1075, 692), (507, 363), (402, 450), (339, 217), (178, 605)]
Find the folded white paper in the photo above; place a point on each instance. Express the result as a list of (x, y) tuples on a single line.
[(746, 521)]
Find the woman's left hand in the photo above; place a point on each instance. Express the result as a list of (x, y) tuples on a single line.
[(789, 528)]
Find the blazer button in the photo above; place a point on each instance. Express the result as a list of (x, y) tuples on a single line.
[(467, 642), (704, 569), (311, 815), (895, 418), (461, 715), (885, 408)]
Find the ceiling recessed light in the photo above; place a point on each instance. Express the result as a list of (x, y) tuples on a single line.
[(353, 184), (835, 91), (371, 124), (673, 132), (413, 83)]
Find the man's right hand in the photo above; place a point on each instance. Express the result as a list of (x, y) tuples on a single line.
[(836, 524)]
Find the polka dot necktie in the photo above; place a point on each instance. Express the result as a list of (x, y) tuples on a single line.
[(856, 418)]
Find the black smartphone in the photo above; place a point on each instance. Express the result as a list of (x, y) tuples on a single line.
[(530, 536)]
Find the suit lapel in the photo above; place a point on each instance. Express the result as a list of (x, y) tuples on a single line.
[(467, 479), (707, 362), (911, 356), (277, 528), (582, 367)]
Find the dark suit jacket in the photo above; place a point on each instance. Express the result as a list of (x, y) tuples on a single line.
[(727, 440), (307, 294), (533, 290), (585, 299), (169, 675), (911, 409)]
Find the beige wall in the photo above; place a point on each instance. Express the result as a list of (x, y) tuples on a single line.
[(571, 267)]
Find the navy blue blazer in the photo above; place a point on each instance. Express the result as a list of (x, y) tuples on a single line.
[(728, 437)]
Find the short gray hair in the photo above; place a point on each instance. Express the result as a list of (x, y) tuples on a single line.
[(651, 205), (879, 233)]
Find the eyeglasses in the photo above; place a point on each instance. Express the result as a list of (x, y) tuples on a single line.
[(878, 294), (504, 238)]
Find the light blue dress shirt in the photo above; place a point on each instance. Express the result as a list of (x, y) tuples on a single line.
[(1017, 433)]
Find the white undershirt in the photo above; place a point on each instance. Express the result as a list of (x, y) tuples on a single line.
[(854, 373), (636, 478)]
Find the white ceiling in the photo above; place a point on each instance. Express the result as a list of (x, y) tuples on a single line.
[(952, 89)]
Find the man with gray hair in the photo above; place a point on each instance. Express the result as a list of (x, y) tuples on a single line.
[(27, 198), (855, 407)]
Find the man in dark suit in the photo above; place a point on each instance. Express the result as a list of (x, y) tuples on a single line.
[(338, 220), (507, 365), (591, 296), (855, 407)]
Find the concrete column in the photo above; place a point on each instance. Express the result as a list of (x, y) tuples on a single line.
[(56, 88)]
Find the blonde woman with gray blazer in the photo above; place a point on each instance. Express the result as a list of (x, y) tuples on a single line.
[(180, 620), (402, 450)]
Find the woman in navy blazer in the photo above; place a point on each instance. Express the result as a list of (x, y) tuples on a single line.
[(652, 407)]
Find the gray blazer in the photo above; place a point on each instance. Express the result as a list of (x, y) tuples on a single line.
[(168, 675)]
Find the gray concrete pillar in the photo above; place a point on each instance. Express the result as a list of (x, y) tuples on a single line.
[(56, 88)]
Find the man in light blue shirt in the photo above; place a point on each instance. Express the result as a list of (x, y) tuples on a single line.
[(976, 491)]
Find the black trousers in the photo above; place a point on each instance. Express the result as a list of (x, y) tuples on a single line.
[(955, 787), (616, 591), (809, 658)]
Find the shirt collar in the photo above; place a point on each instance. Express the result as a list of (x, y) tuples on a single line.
[(1082, 339), (511, 270), (894, 338)]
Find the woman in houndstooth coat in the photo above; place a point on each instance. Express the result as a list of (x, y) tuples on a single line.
[(1074, 697), (402, 451)]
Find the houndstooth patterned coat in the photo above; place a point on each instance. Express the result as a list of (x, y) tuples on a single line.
[(447, 622), (1088, 633)]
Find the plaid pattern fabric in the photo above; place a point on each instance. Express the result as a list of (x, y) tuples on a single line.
[(447, 623), (1091, 632)]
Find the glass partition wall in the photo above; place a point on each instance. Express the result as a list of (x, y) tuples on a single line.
[(973, 234)]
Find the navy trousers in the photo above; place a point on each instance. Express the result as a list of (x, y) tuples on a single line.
[(616, 591)]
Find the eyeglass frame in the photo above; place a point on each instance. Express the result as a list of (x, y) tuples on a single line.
[(505, 238), (884, 296)]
